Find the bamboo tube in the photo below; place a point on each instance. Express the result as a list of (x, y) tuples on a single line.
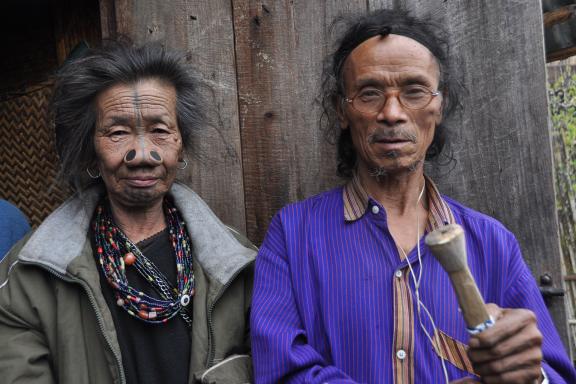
[(449, 247)]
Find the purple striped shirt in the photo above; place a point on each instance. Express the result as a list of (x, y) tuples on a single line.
[(329, 303)]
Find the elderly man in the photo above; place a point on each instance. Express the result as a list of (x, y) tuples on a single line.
[(345, 289), (134, 279)]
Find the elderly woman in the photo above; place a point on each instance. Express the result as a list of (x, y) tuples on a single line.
[(134, 279)]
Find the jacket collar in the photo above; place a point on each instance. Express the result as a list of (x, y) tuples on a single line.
[(357, 200), (63, 235)]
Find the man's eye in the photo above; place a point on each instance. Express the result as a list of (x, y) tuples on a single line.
[(414, 92), (369, 95), (118, 133)]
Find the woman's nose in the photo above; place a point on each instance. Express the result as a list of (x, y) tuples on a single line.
[(142, 156)]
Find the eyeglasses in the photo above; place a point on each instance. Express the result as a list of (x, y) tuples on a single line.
[(370, 101)]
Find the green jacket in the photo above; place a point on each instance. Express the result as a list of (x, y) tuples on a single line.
[(55, 326)]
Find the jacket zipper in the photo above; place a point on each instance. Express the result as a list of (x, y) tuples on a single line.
[(211, 351), (94, 307)]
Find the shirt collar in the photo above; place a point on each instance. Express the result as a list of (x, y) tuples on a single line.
[(356, 201)]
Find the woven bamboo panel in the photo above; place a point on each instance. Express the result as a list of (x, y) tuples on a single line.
[(28, 161)]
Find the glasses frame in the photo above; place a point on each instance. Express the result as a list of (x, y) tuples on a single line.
[(433, 94)]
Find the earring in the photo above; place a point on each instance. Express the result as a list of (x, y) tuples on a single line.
[(91, 175), (185, 164)]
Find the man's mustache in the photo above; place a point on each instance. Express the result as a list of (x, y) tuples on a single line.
[(391, 134)]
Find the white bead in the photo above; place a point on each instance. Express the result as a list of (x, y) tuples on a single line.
[(185, 300), (120, 302), (375, 209)]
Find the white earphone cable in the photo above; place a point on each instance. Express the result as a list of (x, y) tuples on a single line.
[(419, 303)]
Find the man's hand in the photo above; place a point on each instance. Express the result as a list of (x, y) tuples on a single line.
[(511, 350)]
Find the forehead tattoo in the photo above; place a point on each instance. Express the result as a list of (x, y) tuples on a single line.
[(139, 127)]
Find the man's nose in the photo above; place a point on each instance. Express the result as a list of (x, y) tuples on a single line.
[(143, 154), (392, 112)]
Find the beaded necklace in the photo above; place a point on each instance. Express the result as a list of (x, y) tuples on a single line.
[(116, 252)]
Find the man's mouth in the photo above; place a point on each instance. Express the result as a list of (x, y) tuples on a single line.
[(395, 137), (390, 144)]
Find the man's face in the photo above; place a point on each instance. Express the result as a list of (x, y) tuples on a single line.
[(396, 138), (137, 141)]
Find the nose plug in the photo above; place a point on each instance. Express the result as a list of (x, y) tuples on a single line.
[(153, 155)]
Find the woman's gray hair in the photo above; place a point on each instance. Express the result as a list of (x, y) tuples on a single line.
[(79, 82)]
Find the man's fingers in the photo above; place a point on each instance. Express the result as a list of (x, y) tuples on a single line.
[(510, 323), (529, 339), (494, 310), (523, 376), (529, 360)]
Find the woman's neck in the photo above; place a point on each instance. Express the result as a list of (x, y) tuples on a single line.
[(138, 223)]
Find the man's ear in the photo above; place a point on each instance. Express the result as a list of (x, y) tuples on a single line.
[(342, 118), (440, 114)]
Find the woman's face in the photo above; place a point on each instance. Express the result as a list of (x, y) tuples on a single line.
[(137, 141)]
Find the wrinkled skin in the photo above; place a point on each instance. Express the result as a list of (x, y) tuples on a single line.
[(396, 139), (510, 351), (394, 143), (137, 142)]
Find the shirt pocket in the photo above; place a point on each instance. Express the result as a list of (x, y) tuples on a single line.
[(453, 351)]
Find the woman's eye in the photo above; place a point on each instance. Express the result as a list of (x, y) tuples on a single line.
[(160, 131), (118, 133)]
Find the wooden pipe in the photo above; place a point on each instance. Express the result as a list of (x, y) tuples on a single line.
[(448, 245)]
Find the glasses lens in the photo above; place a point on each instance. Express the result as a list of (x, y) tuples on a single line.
[(415, 97), (369, 101)]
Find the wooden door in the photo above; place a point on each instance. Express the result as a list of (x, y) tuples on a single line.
[(263, 148)]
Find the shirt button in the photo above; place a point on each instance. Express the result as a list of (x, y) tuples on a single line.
[(401, 354), (375, 209), (398, 273)]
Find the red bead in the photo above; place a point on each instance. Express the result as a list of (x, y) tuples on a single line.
[(100, 250), (143, 314), (129, 258)]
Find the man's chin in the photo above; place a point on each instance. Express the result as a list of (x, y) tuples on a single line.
[(393, 167)]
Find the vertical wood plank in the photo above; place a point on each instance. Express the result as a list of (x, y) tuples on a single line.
[(75, 21), (279, 47), (502, 141), (204, 30)]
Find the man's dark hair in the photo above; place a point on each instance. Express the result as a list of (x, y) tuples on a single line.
[(80, 81), (359, 29)]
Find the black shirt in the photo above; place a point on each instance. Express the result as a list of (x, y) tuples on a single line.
[(151, 353)]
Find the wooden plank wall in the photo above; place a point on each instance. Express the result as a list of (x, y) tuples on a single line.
[(263, 60)]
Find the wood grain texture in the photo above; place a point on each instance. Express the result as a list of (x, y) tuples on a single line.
[(469, 298), (448, 245), (279, 47), (75, 21), (204, 30), (268, 151), (502, 141)]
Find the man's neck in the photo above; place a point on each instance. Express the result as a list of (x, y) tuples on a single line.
[(397, 192), (139, 223), (401, 195)]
